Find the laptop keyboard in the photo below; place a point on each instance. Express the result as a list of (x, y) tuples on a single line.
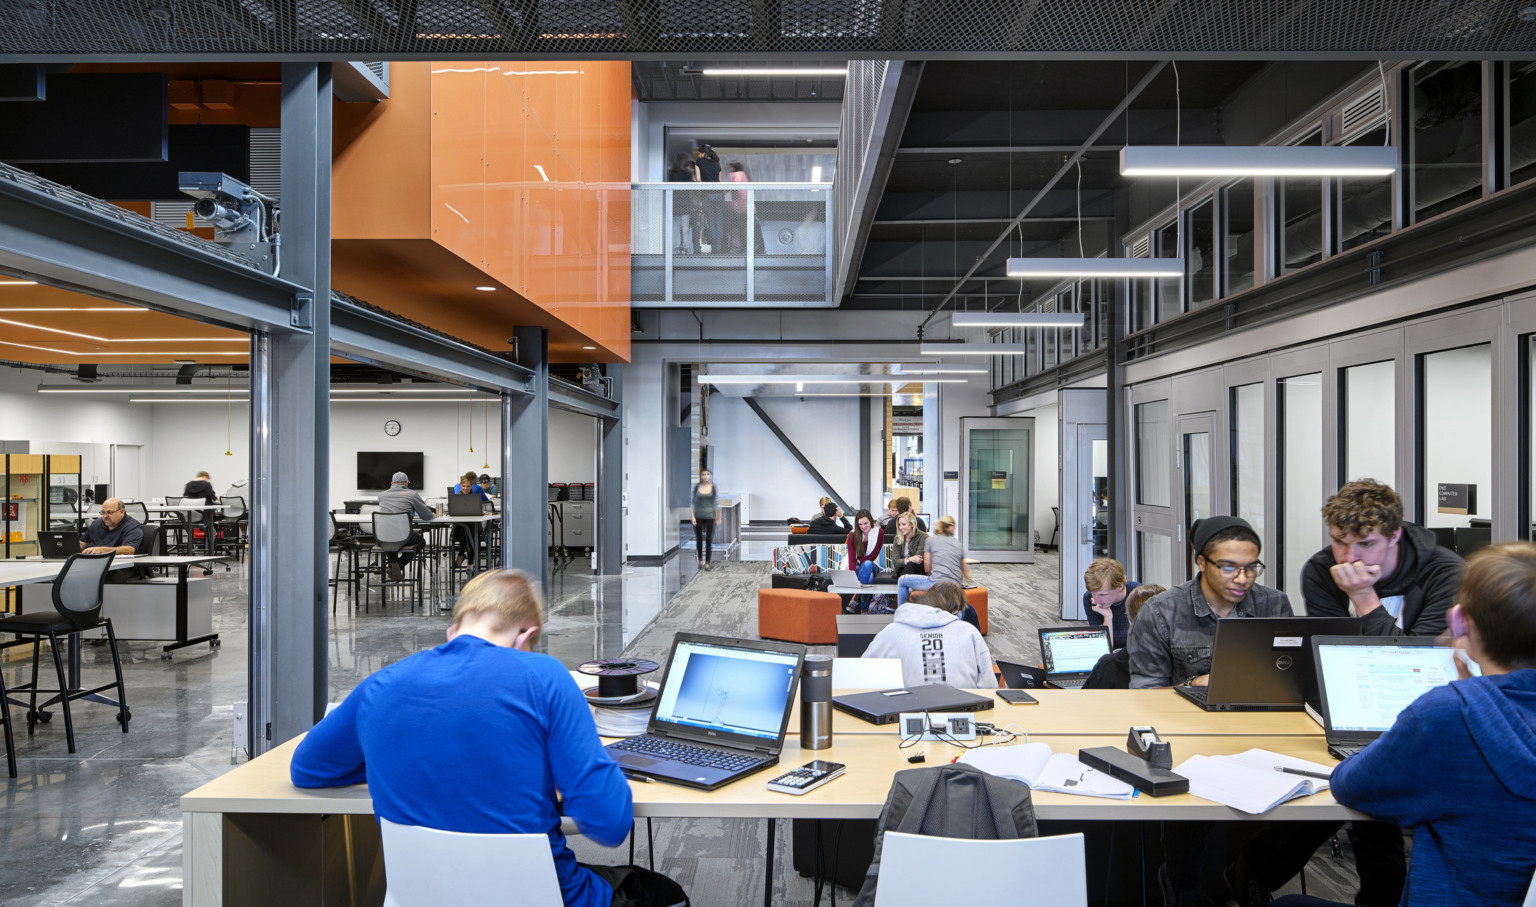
[(1066, 684), (1344, 751), (691, 755), (1199, 694)]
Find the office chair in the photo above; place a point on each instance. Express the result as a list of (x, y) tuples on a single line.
[(392, 533), (1051, 870), (137, 510), (178, 528), (5, 720), (76, 608), (229, 529), (348, 545), (424, 867)]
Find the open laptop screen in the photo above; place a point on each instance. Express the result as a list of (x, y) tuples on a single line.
[(740, 691), (1074, 650), (1368, 685)]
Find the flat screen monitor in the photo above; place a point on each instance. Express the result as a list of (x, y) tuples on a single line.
[(374, 468)]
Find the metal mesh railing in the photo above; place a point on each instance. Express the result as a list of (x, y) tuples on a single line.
[(858, 144), (704, 244), (585, 29)]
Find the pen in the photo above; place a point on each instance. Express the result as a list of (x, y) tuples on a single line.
[(641, 778), (1301, 771)]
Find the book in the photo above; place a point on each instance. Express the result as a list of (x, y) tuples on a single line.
[(1036, 765), (1248, 781)]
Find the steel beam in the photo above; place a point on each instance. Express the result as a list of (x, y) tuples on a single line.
[(63, 238), (569, 397), (525, 480), (800, 457), (610, 481), (291, 618), (366, 335)]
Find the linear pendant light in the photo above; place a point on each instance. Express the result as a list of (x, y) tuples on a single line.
[(1017, 319), (1095, 267), (1258, 160), (972, 349)]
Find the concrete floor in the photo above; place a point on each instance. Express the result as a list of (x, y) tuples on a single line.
[(103, 826)]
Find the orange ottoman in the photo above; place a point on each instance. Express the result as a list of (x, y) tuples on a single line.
[(976, 598), (798, 615)]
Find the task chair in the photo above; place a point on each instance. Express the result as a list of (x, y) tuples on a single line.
[(1049, 870), (425, 867), (76, 608), (5, 720), (392, 533), (137, 510), (229, 537)]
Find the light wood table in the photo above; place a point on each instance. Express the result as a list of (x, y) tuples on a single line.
[(250, 833)]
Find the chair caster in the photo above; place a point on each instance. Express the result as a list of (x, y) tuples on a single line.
[(165, 656), (216, 643), (119, 717), (41, 715)]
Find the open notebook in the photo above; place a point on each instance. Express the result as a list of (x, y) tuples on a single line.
[(1248, 781), (1036, 765)]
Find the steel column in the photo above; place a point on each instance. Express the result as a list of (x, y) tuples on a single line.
[(298, 447), (506, 463), (802, 458), (610, 482), (259, 668), (525, 484)]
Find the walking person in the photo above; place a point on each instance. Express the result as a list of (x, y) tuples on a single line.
[(707, 163), (702, 515)]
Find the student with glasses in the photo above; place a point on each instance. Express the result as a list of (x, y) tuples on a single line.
[(113, 531)]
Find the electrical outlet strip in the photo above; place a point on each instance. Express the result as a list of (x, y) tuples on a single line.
[(242, 737), (940, 726)]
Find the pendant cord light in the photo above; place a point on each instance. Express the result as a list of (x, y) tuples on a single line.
[(1178, 190), (486, 418), (471, 431), (229, 411)]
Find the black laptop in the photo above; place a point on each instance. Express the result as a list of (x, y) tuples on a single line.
[(720, 712), (1264, 664), (465, 505), (1021, 677), (57, 545), (1365, 681), (886, 706)]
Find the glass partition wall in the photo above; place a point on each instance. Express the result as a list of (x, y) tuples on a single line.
[(997, 491)]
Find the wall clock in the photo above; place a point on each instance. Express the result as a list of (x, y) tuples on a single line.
[(392, 428)]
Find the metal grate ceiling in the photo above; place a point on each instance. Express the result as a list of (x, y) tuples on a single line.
[(584, 29)]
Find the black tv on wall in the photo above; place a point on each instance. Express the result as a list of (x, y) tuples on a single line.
[(374, 468)]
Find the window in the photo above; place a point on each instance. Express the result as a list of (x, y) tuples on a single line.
[(1521, 122), (1301, 477), (1153, 439), (1165, 244), (1248, 454), (1456, 430), (1154, 557), (1363, 203), (1299, 215), (1237, 237), (1368, 420), (1200, 254), (1446, 113)]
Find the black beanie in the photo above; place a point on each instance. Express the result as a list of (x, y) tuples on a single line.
[(1204, 530)]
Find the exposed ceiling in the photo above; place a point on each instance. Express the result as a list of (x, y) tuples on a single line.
[(560, 29), (48, 326), (656, 80)]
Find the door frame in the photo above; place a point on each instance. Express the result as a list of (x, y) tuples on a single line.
[(984, 423)]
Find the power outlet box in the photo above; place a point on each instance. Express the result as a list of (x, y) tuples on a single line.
[(940, 726), (242, 728)]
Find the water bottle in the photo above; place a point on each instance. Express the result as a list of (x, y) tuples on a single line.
[(816, 703)]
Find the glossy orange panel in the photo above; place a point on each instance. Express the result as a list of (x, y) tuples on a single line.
[(381, 171), (458, 158)]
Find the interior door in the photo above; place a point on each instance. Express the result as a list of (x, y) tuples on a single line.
[(1084, 512), (1196, 462), (997, 489), (127, 476)]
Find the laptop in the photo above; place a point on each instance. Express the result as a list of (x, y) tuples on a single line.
[(886, 706), (1366, 681), (1070, 654), (1021, 677), (1264, 664), (856, 631), (720, 712), (465, 505), (57, 545)]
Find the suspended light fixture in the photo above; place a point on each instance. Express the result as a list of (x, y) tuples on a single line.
[(1017, 319), (1109, 268), (971, 349), (1258, 160)]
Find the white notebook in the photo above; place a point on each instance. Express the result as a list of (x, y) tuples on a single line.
[(1248, 781), (1036, 765)]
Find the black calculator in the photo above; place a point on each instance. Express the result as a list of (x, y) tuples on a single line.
[(807, 777)]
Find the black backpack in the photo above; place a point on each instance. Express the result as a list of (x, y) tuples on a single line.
[(950, 801)]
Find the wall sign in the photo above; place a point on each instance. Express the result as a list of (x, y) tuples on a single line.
[(1457, 499)]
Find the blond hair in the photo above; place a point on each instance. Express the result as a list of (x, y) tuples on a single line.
[(944, 525), (511, 598), (1104, 574), (468, 479)]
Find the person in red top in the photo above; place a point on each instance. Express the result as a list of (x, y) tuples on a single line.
[(864, 544)]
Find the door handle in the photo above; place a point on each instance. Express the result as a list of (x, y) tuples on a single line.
[(1087, 536)]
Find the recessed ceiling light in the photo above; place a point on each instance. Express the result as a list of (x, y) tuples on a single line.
[(956, 160), (589, 347), (773, 71), (186, 361), (486, 289), (18, 283)]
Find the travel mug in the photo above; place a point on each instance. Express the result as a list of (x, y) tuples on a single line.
[(816, 703)]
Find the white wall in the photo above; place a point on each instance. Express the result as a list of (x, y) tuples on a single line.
[(647, 531), (189, 437), (752, 463), (1458, 419), (61, 423), (572, 447), (1047, 468)]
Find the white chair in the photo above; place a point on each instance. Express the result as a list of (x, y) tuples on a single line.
[(917, 870), (425, 867), (1530, 895), (866, 673)]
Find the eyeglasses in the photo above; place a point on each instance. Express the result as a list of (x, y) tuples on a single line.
[(110, 512), (1230, 570)]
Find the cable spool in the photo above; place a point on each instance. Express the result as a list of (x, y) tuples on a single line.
[(618, 683)]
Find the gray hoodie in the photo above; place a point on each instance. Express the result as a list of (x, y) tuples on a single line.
[(935, 647)]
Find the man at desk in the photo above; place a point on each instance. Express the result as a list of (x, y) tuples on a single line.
[(113, 531), (481, 735), (399, 498)]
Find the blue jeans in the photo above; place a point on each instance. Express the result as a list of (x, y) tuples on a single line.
[(867, 571), (907, 583)]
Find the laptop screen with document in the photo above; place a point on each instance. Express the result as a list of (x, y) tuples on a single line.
[(1365, 686), (736, 690), (1073, 650)]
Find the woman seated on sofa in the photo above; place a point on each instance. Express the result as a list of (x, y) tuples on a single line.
[(910, 553), (864, 544)]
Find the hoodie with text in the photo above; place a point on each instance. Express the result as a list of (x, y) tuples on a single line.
[(935, 647)]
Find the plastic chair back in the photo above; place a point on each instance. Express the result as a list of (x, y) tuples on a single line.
[(1033, 870), (1530, 896), (425, 867), (391, 529), (150, 543), (866, 673), (77, 589), (234, 507), (138, 511)]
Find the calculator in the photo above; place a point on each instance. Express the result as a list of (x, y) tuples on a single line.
[(807, 777)]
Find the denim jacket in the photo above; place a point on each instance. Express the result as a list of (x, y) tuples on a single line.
[(1170, 640)]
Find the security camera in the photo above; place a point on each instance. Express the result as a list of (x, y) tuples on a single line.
[(243, 219)]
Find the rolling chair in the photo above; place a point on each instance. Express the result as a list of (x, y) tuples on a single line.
[(1050, 870), (76, 607), (347, 545), (425, 867), (392, 533), (5, 720), (137, 510)]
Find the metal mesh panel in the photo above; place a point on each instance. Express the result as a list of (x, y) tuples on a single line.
[(391, 529), (577, 29), (77, 591)]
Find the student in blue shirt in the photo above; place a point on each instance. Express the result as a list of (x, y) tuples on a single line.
[(1459, 765), (484, 736), (469, 484)]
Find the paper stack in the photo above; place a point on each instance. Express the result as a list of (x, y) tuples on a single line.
[(1249, 781), (1036, 765)]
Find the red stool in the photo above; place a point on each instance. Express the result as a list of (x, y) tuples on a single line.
[(798, 615)]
